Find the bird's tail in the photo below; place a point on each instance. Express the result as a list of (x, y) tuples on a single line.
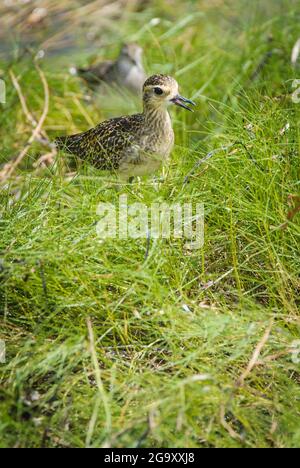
[(70, 144), (73, 71), (82, 72)]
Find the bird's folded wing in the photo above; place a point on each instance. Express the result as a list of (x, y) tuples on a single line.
[(104, 146)]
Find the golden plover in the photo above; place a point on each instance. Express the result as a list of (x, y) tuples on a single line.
[(127, 71), (133, 145)]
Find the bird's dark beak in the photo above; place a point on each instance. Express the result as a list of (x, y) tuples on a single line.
[(180, 101)]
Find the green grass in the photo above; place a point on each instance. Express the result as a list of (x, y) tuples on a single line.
[(168, 350)]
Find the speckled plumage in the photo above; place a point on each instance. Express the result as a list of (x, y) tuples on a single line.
[(127, 71), (132, 145)]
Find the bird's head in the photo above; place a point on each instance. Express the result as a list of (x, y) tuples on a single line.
[(132, 53), (161, 90)]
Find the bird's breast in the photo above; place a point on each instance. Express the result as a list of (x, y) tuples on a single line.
[(160, 137)]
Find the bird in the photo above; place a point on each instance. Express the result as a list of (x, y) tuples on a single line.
[(134, 145), (127, 71)]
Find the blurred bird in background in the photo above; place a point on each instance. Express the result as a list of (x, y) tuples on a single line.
[(126, 71)]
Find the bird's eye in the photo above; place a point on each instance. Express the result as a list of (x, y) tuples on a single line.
[(158, 91)]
